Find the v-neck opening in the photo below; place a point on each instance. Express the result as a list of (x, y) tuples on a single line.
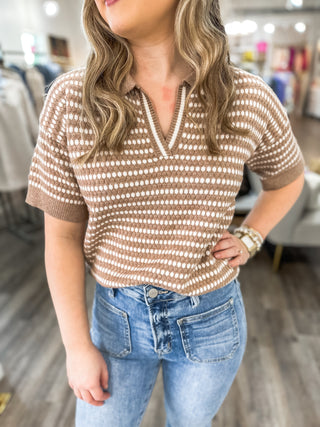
[(165, 145)]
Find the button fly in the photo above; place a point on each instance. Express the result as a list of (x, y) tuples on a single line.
[(153, 293)]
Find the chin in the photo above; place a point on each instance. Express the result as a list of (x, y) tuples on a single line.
[(120, 30), (123, 29)]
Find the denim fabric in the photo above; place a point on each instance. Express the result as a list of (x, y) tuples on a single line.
[(199, 340)]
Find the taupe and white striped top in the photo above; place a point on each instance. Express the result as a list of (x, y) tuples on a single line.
[(155, 210)]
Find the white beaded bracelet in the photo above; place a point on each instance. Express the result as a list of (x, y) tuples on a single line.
[(251, 231)]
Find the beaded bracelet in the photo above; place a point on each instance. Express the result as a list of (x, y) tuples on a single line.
[(251, 231)]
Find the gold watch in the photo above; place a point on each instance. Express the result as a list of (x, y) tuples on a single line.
[(248, 242)]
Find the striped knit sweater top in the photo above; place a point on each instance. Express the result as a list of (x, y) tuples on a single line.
[(155, 210)]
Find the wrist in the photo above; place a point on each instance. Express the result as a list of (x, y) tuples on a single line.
[(255, 234), (250, 238), (245, 247), (76, 346)]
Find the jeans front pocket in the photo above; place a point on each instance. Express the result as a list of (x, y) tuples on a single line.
[(110, 331), (211, 336)]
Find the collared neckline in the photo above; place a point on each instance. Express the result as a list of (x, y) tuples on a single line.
[(129, 82)]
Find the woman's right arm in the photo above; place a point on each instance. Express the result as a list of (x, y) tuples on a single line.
[(65, 269)]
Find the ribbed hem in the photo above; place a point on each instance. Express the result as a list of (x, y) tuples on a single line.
[(284, 178), (56, 208), (226, 275)]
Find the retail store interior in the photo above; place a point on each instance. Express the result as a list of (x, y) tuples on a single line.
[(278, 383)]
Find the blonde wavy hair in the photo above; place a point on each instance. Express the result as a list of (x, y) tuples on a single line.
[(200, 38)]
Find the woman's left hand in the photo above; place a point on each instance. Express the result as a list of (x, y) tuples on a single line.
[(229, 246)]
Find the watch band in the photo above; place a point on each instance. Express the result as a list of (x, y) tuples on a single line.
[(249, 250), (253, 235), (252, 249)]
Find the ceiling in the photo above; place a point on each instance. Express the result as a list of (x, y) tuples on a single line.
[(271, 3), (268, 6)]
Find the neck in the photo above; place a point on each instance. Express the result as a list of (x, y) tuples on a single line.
[(158, 60)]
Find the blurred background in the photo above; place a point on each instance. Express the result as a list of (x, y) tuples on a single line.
[(278, 383)]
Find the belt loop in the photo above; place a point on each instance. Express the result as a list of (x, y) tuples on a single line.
[(194, 300), (112, 292)]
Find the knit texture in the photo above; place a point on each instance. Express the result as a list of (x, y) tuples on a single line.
[(156, 210)]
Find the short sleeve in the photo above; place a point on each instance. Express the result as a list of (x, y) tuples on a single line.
[(277, 159), (52, 185)]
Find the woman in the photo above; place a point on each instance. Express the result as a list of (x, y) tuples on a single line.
[(136, 167)]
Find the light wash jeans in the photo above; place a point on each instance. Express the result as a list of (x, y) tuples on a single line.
[(200, 341)]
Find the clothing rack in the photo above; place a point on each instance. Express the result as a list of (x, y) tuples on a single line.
[(19, 52), (21, 224), (16, 53)]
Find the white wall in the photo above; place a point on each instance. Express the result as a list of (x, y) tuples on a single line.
[(18, 16)]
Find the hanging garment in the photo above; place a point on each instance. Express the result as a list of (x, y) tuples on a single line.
[(36, 84), (279, 87), (22, 72), (18, 130), (292, 58), (10, 74), (50, 72)]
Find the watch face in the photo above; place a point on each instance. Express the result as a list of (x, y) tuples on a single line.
[(248, 242)]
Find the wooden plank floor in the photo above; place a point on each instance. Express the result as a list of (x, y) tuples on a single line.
[(277, 385)]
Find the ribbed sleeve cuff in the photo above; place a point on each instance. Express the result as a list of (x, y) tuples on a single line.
[(284, 178), (56, 208)]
